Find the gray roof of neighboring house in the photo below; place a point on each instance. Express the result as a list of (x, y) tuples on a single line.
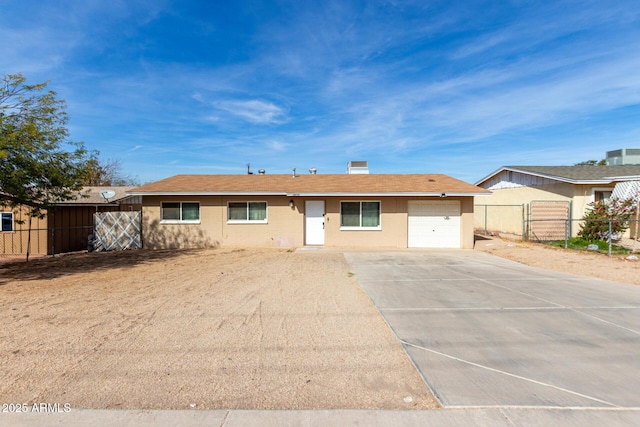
[(91, 196), (580, 174)]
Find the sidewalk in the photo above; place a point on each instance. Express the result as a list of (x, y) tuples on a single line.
[(233, 418)]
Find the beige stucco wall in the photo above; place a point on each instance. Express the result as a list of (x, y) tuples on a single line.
[(392, 221), (466, 222), (508, 219), (285, 227)]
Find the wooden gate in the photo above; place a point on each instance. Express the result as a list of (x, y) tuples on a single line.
[(549, 220), (117, 231)]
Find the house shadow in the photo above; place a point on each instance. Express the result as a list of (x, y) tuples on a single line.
[(176, 236), (477, 237), (164, 245)]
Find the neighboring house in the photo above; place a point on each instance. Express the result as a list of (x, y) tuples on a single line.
[(347, 210), (547, 192), (63, 229)]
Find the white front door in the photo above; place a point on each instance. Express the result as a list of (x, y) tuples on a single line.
[(434, 224), (314, 222)]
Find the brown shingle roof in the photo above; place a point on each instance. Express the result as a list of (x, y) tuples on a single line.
[(343, 184)]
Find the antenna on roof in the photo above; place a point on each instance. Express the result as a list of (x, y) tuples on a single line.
[(249, 169)]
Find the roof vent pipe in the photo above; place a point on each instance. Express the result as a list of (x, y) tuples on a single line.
[(294, 172), (262, 171), (313, 171)]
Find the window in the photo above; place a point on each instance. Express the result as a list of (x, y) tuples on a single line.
[(253, 212), (187, 212), (7, 221), (601, 196), (360, 215)]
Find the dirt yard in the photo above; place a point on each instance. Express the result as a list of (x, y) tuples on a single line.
[(236, 329), (617, 268), (250, 329)]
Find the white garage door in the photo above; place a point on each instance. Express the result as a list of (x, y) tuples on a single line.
[(434, 224)]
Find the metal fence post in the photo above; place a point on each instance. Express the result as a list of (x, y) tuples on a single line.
[(566, 234), (610, 230), (485, 220), (523, 224), (53, 241)]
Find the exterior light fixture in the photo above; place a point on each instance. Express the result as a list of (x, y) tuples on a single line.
[(291, 204)]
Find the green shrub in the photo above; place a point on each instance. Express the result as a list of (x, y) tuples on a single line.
[(596, 220)]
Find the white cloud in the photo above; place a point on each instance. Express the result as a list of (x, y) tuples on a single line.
[(254, 111), (277, 145)]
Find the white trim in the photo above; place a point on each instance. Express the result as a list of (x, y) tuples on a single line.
[(177, 221), (430, 194), (13, 223), (601, 189), (378, 228), (624, 178), (318, 194), (543, 175), (208, 193)]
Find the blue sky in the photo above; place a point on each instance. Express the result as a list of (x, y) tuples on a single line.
[(454, 87)]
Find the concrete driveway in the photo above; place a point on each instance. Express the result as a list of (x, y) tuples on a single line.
[(484, 331)]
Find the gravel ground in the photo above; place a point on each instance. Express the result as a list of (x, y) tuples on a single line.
[(235, 329)]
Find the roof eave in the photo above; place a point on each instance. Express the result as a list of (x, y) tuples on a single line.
[(207, 193), (390, 194), (87, 204), (624, 178), (491, 175), (312, 194), (605, 180)]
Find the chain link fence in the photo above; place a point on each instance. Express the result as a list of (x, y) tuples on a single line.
[(45, 241), (628, 239), (552, 224), (500, 219)]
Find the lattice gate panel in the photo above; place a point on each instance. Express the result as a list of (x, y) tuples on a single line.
[(117, 231)]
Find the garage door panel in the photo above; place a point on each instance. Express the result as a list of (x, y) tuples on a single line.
[(434, 224)]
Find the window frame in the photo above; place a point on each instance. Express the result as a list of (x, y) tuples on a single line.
[(248, 221), (595, 190), (13, 226), (361, 227), (180, 220)]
